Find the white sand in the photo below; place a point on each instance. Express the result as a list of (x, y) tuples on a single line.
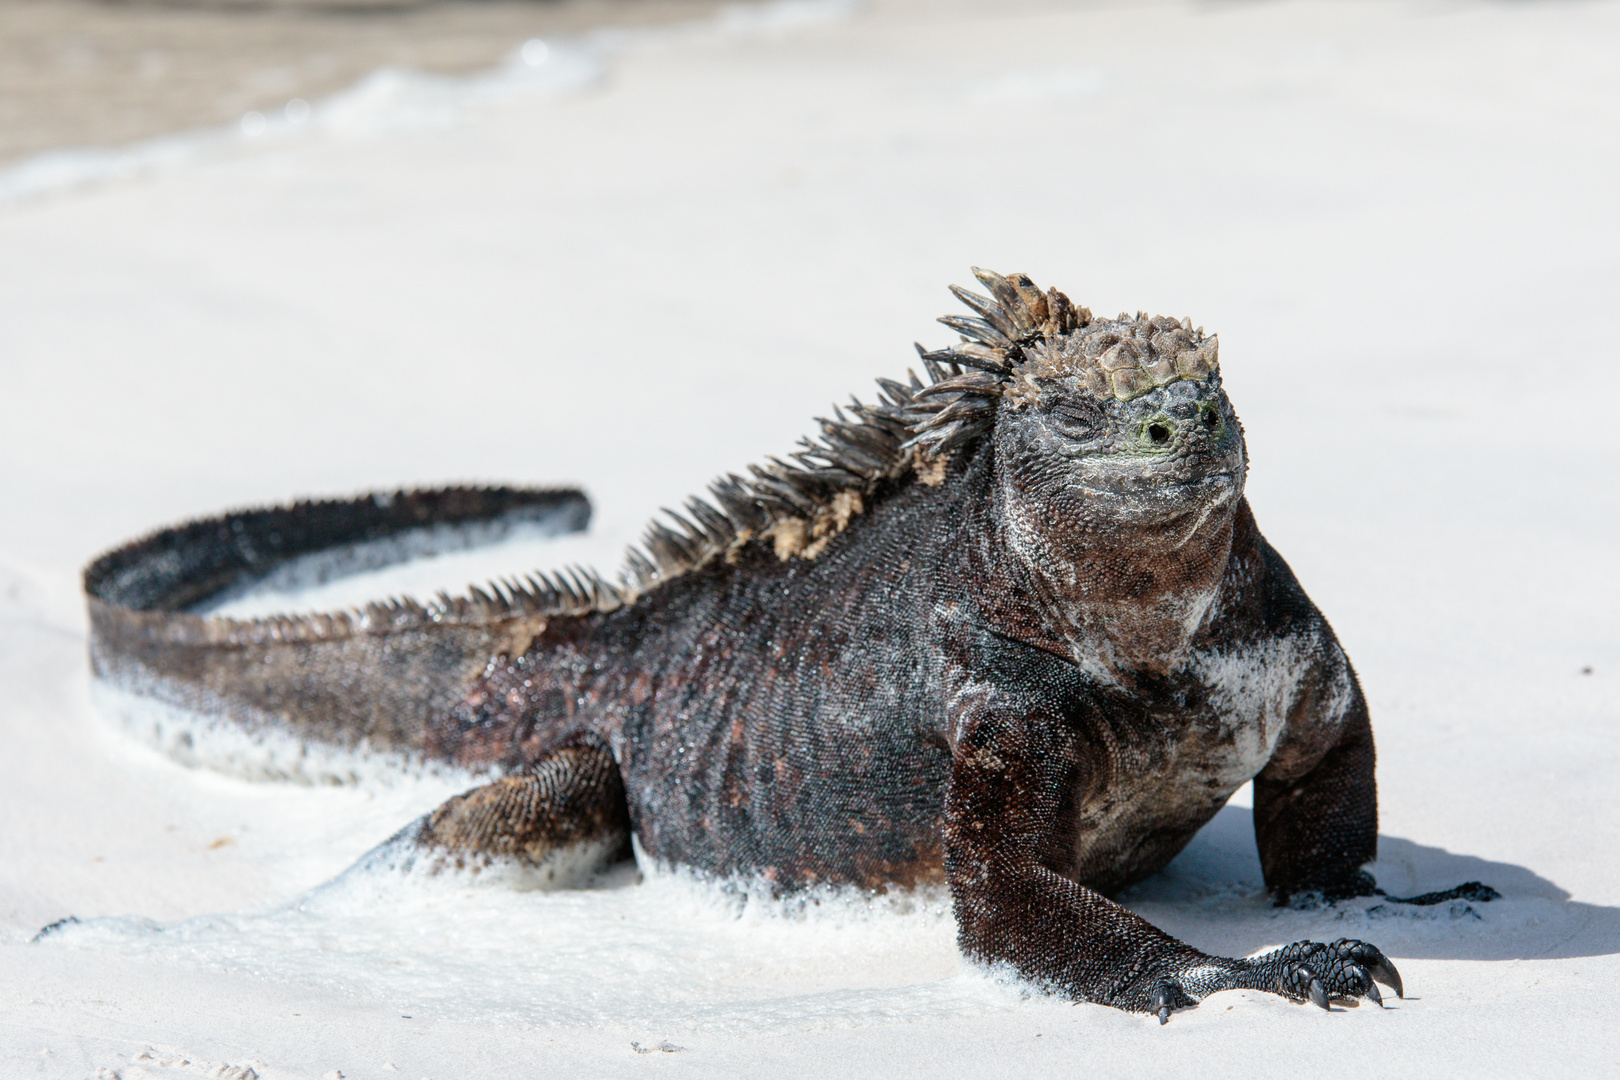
[(1400, 217)]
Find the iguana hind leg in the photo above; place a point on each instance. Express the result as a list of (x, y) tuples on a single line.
[(562, 818)]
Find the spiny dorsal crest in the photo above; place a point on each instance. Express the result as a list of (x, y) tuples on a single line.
[(1020, 335), (797, 507), (1023, 335)]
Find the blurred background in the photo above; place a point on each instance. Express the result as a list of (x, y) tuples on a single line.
[(84, 72)]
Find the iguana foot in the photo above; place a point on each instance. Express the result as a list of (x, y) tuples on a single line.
[(1361, 883), (562, 818), (1469, 890), (1342, 972), (1331, 891)]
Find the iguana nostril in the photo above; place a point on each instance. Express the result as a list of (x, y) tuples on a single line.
[(1210, 419), (1159, 433)]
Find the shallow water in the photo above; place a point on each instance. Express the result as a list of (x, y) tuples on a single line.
[(396, 100)]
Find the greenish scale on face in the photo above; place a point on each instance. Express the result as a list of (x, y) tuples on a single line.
[(1157, 426), (1081, 435)]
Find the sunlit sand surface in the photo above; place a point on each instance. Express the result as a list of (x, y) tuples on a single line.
[(637, 261)]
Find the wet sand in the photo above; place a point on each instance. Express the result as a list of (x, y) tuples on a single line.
[(91, 72)]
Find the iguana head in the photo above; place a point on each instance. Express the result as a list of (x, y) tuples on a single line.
[(1148, 464), (1118, 461), (1100, 425)]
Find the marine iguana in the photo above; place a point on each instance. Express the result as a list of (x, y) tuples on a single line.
[(1012, 629)]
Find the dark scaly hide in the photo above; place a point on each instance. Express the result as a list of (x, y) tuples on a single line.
[(374, 677), (572, 798), (1012, 629)]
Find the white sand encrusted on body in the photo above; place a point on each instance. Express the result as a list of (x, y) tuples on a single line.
[(1400, 218)]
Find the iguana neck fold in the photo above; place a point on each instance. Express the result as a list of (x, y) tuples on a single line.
[(1116, 598)]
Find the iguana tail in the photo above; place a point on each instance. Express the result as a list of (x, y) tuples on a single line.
[(296, 696)]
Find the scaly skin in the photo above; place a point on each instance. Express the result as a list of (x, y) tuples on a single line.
[(1030, 649)]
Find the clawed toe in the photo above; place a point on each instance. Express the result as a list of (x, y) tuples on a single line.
[(1385, 972), (1370, 965), (1168, 996), (1344, 972), (1302, 983)]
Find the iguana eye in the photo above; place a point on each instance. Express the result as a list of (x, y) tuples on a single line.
[(1077, 419)]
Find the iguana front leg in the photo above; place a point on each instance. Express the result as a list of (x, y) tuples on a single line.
[(1006, 817), (1316, 801), (564, 815)]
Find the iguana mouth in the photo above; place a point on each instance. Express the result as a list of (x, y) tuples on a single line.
[(1209, 478), (1164, 485)]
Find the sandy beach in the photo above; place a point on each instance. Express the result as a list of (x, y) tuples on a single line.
[(638, 260), (96, 72)]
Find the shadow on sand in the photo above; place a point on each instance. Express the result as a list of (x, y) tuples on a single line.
[(1213, 896)]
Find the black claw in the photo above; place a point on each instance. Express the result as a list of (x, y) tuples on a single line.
[(1375, 964), (1372, 994), (1317, 994), (1385, 972), (1159, 1002), (1167, 997)]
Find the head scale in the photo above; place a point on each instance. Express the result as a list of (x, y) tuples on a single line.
[(1022, 335)]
